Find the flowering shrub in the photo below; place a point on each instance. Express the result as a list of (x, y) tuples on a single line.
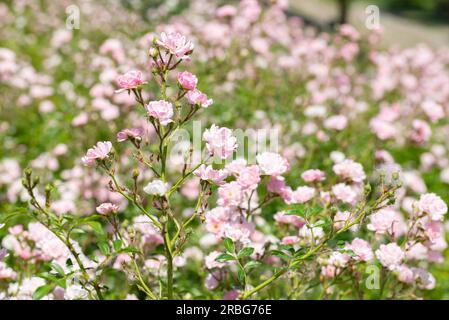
[(348, 200)]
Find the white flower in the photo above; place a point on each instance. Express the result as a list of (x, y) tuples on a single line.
[(156, 187), (76, 292)]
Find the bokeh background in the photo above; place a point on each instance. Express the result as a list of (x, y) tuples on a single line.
[(57, 86)]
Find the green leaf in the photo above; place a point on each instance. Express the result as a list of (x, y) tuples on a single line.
[(252, 265), (117, 244), (241, 275), (104, 248), (280, 254), (97, 227), (78, 231), (314, 211), (42, 291), (229, 245), (297, 209), (245, 252), (130, 250), (225, 257), (49, 277), (318, 223), (58, 269)]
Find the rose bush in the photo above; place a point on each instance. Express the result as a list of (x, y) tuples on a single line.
[(318, 170)]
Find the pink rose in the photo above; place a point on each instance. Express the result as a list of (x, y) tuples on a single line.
[(341, 218), (195, 96), (132, 133), (220, 141), (208, 173), (230, 194), (176, 44), (249, 177), (361, 249), (98, 152), (405, 274), (432, 205), (272, 164), (421, 131), (313, 175), (291, 219), (344, 193), (383, 221), (187, 80), (338, 122), (130, 80), (107, 208), (289, 240), (302, 194), (390, 255), (348, 169), (161, 110)]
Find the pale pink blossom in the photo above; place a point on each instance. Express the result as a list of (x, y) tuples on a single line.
[(99, 152), (361, 249), (348, 169), (226, 11), (433, 230), (432, 205), (216, 220), (190, 189), (272, 164), (230, 194), (344, 193), (131, 133), (405, 274), (16, 230), (161, 110), (235, 166), (311, 235), (238, 232), (384, 221), (107, 208), (80, 119), (291, 219), (212, 280), (433, 110), (302, 194), (176, 44), (187, 80), (208, 173), (130, 80), (421, 131), (329, 271), (424, 279), (249, 177), (197, 97), (6, 272), (339, 259), (416, 251), (313, 175), (338, 122), (276, 184), (290, 240), (220, 141), (211, 262), (341, 218), (390, 255)]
